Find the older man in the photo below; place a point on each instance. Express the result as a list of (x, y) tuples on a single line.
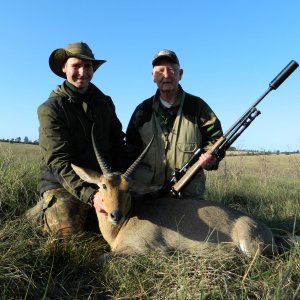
[(182, 123), (66, 120)]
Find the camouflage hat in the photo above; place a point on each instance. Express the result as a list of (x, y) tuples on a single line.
[(167, 54), (80, 50)]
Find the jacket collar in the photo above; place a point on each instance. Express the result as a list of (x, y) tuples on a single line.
[(64, 90)]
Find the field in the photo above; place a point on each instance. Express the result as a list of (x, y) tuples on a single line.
[(33, 266)]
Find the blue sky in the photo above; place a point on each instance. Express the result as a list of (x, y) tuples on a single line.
[(229, 50)]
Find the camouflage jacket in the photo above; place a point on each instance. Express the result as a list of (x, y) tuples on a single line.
[(66, 120)]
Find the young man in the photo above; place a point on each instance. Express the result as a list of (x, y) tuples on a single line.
[(181, 123), (66, 119)]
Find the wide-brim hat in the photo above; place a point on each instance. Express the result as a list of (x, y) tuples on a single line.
[(165, 54), (80, 50)]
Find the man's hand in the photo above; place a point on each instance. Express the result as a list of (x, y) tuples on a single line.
[(206, 160), (98, 203)]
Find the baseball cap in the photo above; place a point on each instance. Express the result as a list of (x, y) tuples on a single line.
[(167, 54)]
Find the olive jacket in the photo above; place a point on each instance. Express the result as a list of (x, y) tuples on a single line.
[(194, 125), (66, 119)]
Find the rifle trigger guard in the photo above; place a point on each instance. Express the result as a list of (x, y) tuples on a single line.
[(176, 174)]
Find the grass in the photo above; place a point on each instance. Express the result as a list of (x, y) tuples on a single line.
[(264, 186), (33, 266), (18, 178)]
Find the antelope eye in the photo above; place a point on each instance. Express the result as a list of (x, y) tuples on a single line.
[(104, 186)]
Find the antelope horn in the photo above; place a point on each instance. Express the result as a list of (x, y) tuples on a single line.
[(130, 170), (105, 168)]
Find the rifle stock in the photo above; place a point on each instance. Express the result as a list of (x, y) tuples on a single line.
[(194, 169), (186, 173)]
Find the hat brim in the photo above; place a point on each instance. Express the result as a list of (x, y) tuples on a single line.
[(161, 57), (59, 57)]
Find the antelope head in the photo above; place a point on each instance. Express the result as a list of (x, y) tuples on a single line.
[(114, 187)]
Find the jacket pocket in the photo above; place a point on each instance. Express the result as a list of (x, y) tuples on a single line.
[(187, 147)]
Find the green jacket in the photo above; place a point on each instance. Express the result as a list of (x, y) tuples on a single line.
[(194, 126), (66, 120)]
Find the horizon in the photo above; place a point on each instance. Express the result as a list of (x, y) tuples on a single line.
[(19, 140)]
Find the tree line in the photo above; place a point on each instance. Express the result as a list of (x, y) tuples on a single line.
[(19, 140), (26, 140)]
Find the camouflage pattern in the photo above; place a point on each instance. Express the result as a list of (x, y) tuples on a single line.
[(63, 214), (165, 54), (59, 213)]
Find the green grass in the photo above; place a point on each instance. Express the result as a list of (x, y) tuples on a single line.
[(33, 266)]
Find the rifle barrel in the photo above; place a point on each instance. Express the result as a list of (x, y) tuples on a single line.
[(274, 84), (235, 130), (283, 75)]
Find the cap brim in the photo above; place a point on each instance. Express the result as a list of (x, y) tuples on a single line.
[(157, 59)]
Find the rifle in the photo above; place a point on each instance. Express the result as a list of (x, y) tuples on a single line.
[(182, 176)]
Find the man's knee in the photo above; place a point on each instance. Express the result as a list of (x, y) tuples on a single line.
[(35, 214), (64, 215)]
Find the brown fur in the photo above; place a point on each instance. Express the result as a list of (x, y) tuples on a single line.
[(135, 226)]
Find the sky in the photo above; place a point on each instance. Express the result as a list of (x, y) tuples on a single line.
[(229, 50)]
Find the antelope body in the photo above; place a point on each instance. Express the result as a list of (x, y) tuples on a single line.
[(132, 226)]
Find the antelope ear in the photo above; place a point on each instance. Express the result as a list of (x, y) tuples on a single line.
[(86, 174)]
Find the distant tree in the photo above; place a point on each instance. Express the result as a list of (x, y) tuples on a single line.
[(26, 140), (232, 148), (18, 140)]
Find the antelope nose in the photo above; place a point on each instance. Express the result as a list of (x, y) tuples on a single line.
[(116, 216)]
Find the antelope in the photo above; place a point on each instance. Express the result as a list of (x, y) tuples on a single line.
[(133, 226)]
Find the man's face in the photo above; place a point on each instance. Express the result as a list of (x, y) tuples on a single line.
[(78, 72), (167, 75)]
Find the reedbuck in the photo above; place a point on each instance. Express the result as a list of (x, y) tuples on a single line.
[(132, 226)]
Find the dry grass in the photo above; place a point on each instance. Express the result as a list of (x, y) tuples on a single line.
[(26, 150), (266, 187), (287, 165), (33, 266)]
